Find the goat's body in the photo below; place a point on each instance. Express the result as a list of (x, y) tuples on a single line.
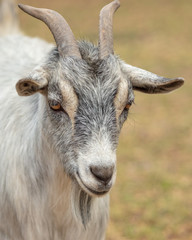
[(37, 198), (58, 143)]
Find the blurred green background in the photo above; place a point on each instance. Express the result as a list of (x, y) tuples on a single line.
[(152, 197)]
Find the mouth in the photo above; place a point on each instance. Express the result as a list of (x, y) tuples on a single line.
[(87, 189)]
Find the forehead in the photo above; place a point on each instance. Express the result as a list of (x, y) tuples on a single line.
[(92, 79), (99, 78)]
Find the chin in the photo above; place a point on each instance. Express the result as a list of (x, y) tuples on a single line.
[(94, 190)]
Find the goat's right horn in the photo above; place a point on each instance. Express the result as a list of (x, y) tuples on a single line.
[(64, 38), (106, 28)]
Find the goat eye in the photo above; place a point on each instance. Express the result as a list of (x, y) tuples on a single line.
[(56, 106), (128, 106)]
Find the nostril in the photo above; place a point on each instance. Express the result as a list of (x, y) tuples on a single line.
[(103, 174)]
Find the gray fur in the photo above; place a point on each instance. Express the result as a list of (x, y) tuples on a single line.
[(47, 188)]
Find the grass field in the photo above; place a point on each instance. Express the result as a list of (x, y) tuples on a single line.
[(152, 198)]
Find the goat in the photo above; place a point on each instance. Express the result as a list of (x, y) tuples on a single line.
[(58, 143)]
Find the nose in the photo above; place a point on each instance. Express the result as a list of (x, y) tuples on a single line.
[(102, 173)]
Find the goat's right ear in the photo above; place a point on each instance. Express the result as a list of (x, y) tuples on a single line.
[(35, 82), (27, 86)]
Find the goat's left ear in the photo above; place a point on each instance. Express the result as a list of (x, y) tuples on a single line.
[(148, 82), (35, 82)]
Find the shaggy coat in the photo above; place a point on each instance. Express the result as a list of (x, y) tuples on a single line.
[(59, 132)]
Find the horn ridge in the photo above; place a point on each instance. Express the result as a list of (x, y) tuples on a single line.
[(62, 33), (106, 28)]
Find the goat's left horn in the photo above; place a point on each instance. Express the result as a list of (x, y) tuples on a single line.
[(64, 38), (106, 28)]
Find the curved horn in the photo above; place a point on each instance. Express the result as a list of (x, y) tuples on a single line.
[(60, 29), (106, 28)]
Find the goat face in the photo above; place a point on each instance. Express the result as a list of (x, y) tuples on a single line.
[(101, 109), (85, 108), (88, 91)]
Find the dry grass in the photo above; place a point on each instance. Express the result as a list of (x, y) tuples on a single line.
[(152, 197)]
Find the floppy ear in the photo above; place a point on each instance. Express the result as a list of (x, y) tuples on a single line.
[(148, 82), (35, 82)]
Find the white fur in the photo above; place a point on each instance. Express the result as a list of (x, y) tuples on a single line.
[(99, 153), (42, 212)]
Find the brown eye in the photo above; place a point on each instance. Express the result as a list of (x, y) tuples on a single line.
[(55, 106), (128, 106)]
